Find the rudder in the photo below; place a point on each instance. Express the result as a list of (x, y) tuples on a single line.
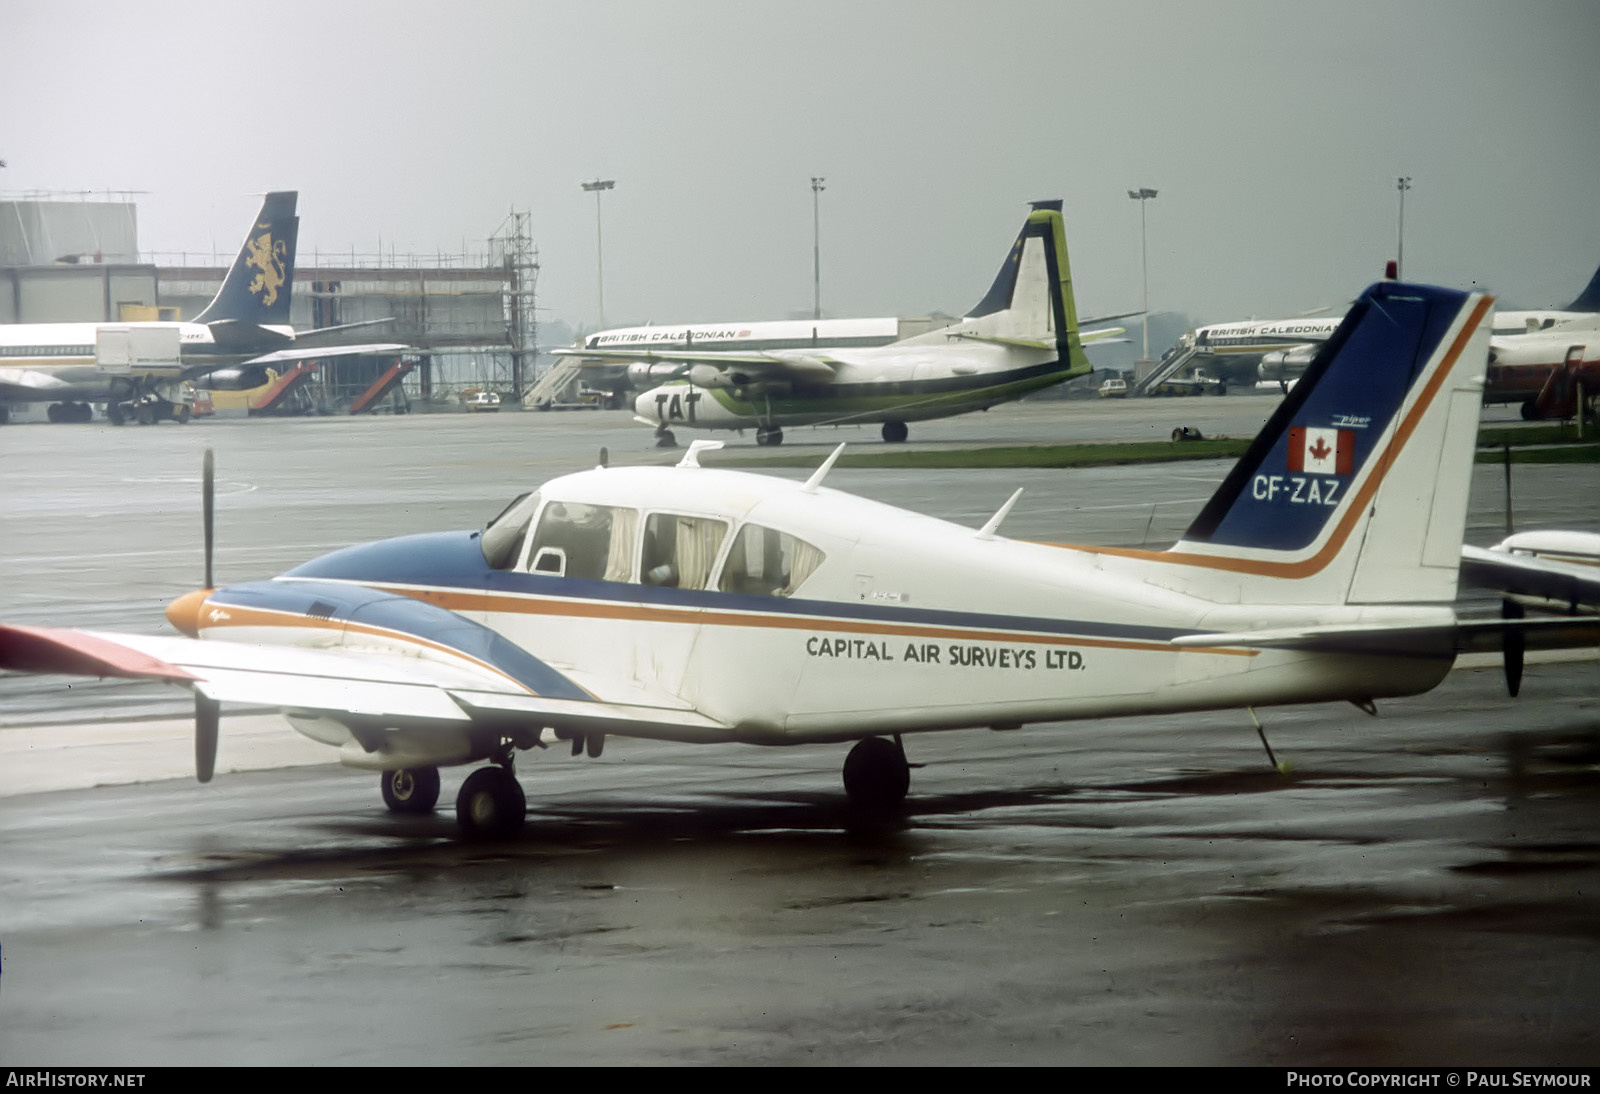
[(257, 287), (1356, 489)]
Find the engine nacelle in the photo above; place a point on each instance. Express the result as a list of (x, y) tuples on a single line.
[(1286, 364), (643, 375), (234, 379)]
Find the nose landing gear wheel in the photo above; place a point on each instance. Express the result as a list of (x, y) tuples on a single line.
[(665, 438), (491, 804), (895, 432), (876, 775), (411, 790)]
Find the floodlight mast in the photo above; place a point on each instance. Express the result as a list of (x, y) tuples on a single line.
[(1142, 195), (816, 246), (598, 187), (1402, 184)]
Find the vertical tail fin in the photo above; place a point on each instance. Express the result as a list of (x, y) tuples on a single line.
[(1031, 298), (257, 287), (1589, 298), (1355, 491)]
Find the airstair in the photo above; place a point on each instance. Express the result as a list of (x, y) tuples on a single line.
[(549, 387), (274, 397), (384, 384), (1166, 370)]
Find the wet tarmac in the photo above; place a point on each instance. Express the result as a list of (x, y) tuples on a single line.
[(1419, 889)]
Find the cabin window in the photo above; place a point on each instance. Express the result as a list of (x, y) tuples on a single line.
[(678, 551), (504, 535), (588, 541), (767, 562)]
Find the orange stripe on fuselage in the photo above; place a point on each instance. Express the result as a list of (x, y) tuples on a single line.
[(461, 600), (1316, 563)]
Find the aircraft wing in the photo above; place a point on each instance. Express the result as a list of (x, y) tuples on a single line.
[(789, 364), (322, 353), (315, 335), (383, 687), (1525, 575)]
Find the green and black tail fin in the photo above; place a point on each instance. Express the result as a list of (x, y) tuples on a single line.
[(1031, 301)]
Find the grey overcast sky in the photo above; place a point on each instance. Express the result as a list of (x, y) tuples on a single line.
[(1274, 132)]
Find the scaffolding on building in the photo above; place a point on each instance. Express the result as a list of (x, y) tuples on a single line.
[(471, 315)]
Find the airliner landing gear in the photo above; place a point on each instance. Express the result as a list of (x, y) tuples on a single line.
[(895, 432), (768, 435), (491, 804), (411, 789), (876, 775), (664, 438)]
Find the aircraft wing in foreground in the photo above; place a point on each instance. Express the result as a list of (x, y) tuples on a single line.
[(709, 606)]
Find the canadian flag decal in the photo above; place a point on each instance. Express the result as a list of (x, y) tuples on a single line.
[(1322, 451)]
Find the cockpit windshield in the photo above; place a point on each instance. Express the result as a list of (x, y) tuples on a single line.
[(502, 537)]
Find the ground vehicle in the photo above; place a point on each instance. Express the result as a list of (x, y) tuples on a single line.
[(482, 401)]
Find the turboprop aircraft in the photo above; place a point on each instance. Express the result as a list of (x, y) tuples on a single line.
[(709, 606), (138, 368), (1021, 337)]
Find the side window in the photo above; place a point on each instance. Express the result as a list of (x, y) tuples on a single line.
[(767, 562), (678, 551), (589, 541)]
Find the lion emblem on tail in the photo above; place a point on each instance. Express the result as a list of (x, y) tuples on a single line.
[(266, 257)]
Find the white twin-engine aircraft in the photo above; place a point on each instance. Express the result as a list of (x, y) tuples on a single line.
[(709, 606), (1021, 337)]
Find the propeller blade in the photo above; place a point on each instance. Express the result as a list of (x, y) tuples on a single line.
[(208, 492), (206, 716), (1514, 645)]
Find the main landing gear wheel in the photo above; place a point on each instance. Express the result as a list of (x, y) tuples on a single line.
[(491, 804), (895, 432), (411, 789), (769, 435), (876, 775)]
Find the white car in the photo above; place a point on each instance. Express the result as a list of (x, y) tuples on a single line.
[(481, 401)]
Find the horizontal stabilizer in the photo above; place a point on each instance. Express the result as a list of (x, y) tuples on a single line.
[(1419, 639)]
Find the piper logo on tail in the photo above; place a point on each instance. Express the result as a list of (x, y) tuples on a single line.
[(1318, 451)]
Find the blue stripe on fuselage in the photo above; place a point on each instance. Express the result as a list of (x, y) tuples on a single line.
[(453, 560)]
